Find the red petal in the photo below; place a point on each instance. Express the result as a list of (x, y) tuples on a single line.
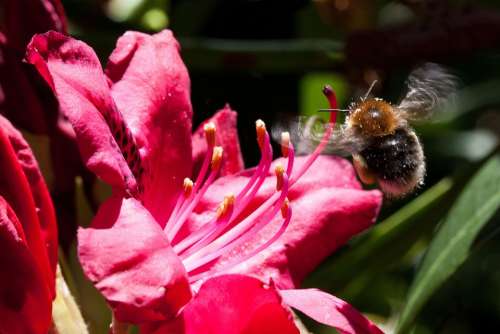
[(232, 304), (329, 207), (22, 99), (226, 136), (151, 88), (21, 24), (329, 310), (39, 191), (25, 302), (74, 73), (15, 188), (128, 257)]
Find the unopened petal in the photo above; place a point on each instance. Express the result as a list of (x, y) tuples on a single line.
[(25, 300), (17, 169), (39, 191)]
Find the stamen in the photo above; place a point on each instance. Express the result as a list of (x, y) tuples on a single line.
[(188, 187), (226, 206), (216, 157), (238, 235), (287, 218), (258, 177), (214, 228), (258, 219), (210, 130), (188, 207), (285, 208), (285, 143), (202, 238), (290, 154), (260, 126), (279, 171), (182, 200), (206, 234)]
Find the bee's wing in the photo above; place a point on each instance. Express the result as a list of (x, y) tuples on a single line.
[(307, 132), (429, 87)]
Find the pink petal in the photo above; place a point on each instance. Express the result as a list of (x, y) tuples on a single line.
[(329, 207), (39, 191), (15, 188), (226, 136), (25, 301), (231, 304), (151, 87), (329, 310), (74, 73), (128, 258)]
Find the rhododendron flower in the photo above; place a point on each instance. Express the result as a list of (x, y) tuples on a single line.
[(30, 105), (161, 234), (28, 239)]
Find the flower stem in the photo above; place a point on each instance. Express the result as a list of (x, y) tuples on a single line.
[(66, 316), (118, 327)]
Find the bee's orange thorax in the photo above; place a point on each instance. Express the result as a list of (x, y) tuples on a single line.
[(374, 117)]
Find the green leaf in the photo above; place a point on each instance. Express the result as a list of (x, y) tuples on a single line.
[(449, 249), (386, 242)]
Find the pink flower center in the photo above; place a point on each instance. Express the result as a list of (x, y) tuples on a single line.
[(227, 232)]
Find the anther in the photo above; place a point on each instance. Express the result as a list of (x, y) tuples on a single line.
[(279, 171), (285, 143), (188, 187), (226, 206), (210, 130), (285, 207), (216, 157), (260, 126)]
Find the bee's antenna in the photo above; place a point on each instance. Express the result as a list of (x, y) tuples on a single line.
[(369, 90), (330, 109)]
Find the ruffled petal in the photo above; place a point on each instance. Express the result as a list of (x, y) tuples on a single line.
[(151, 87), (25, 301), (15, 188), (226, 136), (39, 191), (329, 207), (72, 70), (329, 310), (231, 304), (130, 261)]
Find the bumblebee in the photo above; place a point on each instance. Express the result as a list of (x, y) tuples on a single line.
[(378, 135)]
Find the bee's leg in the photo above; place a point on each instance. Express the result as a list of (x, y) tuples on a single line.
[(364, 173)]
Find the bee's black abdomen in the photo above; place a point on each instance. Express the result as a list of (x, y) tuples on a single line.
[(396, 160)]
